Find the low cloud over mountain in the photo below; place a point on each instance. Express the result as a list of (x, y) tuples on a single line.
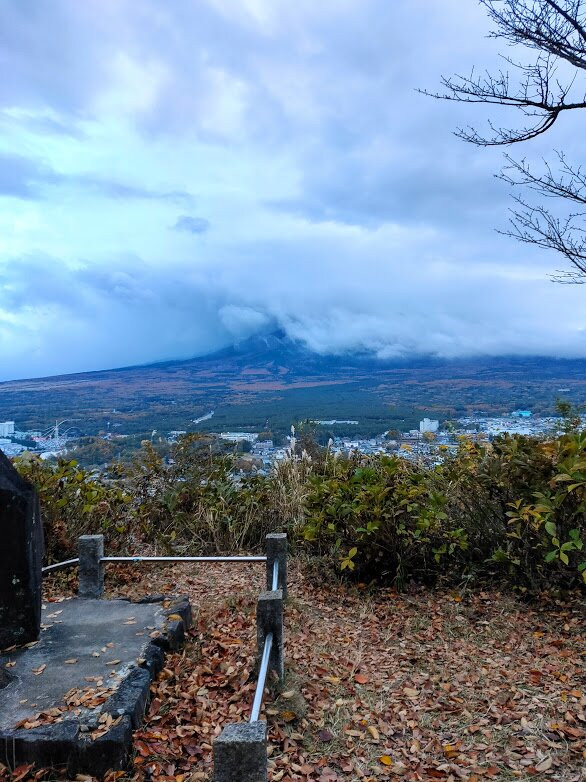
[(184, 175)]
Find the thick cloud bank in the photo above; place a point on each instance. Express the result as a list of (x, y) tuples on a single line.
[(177, 176)]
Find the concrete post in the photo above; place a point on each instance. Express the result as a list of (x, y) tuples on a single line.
[(91, 570), (269, 619), (276, 546), (240, 753)]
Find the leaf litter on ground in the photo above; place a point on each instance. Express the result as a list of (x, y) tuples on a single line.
[(412, 687)]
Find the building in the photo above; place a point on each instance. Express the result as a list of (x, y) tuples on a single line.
[(521, 414), (236, 437), (9, 448), (427, 425), (6, 428)]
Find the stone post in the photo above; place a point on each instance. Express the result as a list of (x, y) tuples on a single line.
[(240, 753), (276, 546), (21, 558), (91, 569), (269, 619)]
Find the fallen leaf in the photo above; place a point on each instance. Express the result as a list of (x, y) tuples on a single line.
[(373, 732), (545, 764)]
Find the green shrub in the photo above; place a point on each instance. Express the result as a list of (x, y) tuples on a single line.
[(512, 509), (74, 502)]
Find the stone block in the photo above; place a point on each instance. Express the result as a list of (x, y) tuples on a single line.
[(240, 753), (276, 548), (131, 697), (110, 640), (269, 619), (21, 558), (91, 569)]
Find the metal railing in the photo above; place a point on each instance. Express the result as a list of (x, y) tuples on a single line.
[(60, 565), (244, 744), (75, 561), (264, 662), (183, 559), (275, 574), (269, 617), (262, 678)]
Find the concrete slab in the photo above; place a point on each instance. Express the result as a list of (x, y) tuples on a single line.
[(73, 698)]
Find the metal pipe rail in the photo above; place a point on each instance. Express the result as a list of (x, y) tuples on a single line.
[(262, 677), (275, 574), (60, 565), (266, 655), (183, 559), (70, 562), (244, 742)]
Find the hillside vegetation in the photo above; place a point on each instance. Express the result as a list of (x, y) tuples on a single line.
[(273, 382), (511, 510)]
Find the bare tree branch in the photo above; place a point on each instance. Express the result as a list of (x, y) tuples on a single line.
[(536, 225), (556, 29), (569, 183)]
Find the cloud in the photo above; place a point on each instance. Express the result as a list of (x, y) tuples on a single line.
[(21, 177), (27, 178), (56, 319), (242, 322), (121, 190), (343, 208), (193, 225)]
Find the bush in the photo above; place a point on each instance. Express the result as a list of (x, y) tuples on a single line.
[(74, 502), (511, 509)]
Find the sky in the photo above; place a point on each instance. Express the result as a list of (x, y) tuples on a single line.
[(177, 176)]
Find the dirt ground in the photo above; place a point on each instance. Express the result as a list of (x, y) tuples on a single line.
[(429, 685)]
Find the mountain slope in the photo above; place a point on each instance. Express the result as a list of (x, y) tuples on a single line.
[(273, 377)]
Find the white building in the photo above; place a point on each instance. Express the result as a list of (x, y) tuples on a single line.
[(6, 428), (427, 425), (237, 436)]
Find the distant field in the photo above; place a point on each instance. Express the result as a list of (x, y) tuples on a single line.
[(273, 383), (342, 402)]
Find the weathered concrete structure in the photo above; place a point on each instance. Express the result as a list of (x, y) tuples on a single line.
[(73, 699), (21, 556), (240, 753), (269, 619), (276, 543), (91, 569)]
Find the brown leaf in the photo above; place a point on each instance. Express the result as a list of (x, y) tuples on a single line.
[(545, 764), (373, 732), (20, 772)]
